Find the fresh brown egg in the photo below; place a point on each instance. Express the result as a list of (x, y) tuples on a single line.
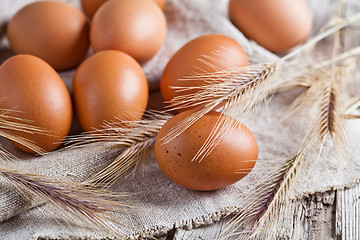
[(277, 25), (54, 31), (229, 161), (91, 6), (107, 85), (136, 27), (36, 92), (160, 3), (205, 54)]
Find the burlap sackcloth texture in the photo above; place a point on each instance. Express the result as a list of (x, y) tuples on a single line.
[(174, 206)]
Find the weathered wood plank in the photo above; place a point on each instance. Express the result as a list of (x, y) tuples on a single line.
[(208, 232), (313, 217), (348, 213)]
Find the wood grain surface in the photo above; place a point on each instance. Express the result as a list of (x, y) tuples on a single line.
[(329, 215)]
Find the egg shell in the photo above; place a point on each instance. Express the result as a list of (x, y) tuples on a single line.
[(207, 53), (160, 3), (277, 25), (107, 85), (37, 93), (136, 27), (56, 32), (237, 151), (91, 6)]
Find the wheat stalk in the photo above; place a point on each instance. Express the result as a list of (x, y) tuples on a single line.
[(230, 86), (129, 159), (270, 200), (350, 107), (87, 207), (266, 205), (331, 120), (242, 100), (321, 73), (10, 126), (257, 201), (325, 122), (341, 24), (135, 138), (266, 226), (234, 86)]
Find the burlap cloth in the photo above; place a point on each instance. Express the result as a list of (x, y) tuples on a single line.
[(173, 205)]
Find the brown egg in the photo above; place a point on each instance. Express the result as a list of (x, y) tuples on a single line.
[(136, 27), (107, 85), (160, 3), (91, 6), (277, 25), (54, 31), (37, 93), (207, 53), (229, 162)]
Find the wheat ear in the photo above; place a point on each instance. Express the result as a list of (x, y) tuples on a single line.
[(262, 213), (257, 201), (230, 86), (88, 208), (10, 126), (135, 138), (326, 120)]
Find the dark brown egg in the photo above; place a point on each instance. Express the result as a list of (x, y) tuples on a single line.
[(107, 85), (277, 25), (54, 31), (37, 93), (205, 54), (229, 161), (136, 27)]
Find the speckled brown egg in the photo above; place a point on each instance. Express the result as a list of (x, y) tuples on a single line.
[(109, 85), (37, 93), (136, 27), (229, 161), (54, 31), (277, 25), (91, 6), (204, 54)]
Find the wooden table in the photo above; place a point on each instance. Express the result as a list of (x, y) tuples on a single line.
[(333, 214)]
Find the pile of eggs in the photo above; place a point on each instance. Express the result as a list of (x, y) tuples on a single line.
[(50, 36)]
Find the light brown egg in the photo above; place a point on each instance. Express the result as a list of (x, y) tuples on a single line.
[(54, 31), (207, 53), (136, 27), (107, 85), (37, 93), (229, 162), (91, 6), (277, 25)]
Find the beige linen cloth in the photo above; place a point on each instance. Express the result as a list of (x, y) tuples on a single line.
[(174, 206)]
